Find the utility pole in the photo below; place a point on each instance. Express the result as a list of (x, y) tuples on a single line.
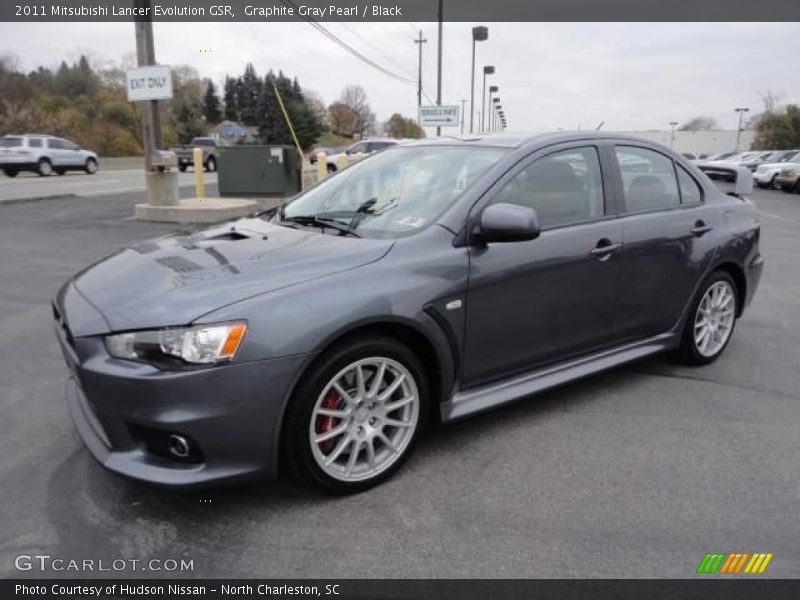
[(420, 41), (463, 103), (146, 55), (439, 66), (673, 125)]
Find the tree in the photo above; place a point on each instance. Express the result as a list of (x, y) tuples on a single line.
[(400, 127), (344, 121), (699, 124), (249, 94), (212, 111), (230, 99), (354, 97), (317, 106), (779, 129)]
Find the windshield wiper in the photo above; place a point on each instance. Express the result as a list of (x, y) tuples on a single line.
[(322, 222)]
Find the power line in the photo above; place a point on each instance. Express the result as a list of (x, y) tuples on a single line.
[(341, 43)]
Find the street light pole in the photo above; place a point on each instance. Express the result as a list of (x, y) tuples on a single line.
[(741, 111), (495, 104), (479, 34), (463, 116), (487, 70), (672, 124), (492, 90)]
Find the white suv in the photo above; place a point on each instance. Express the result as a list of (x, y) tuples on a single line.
[(44, 154), (766, 175)]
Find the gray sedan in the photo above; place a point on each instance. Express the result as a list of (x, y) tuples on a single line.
[(430, 282)]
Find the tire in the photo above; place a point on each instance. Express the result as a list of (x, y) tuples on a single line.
[(10, 172), (211, 164), (331, 169), (182, 168), (60, 171), (695, 349), (45, 167), (773, 183), (90, 167), (364, 423)]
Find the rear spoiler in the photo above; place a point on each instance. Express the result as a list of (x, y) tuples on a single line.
[(741, 175)]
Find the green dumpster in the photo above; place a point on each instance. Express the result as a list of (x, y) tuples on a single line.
[(259, 171)]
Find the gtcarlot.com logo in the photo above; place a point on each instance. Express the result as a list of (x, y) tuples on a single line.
[(733, 564)]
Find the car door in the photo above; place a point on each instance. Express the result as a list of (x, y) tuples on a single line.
[(538, 302), (668, 239), (55, 152), (71, 153)]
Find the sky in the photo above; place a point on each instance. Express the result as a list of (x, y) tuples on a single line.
[(632, 76)]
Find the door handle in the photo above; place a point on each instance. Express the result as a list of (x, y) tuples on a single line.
[(604, 250), (700, 228)]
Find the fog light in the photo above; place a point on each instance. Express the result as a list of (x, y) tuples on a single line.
[(179, 446)]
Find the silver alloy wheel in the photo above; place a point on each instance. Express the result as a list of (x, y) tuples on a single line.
[(713, 322), (91, 166), (45, 168), (364, 419)]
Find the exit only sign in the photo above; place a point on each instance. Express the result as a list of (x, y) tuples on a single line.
[(149, 83)]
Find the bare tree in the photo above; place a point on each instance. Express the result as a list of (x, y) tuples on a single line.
[(355, 98), (771, 100)]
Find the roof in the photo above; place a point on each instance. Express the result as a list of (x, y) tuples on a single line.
[(518, 140)]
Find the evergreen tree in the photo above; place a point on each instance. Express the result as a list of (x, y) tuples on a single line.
[(231, 103), (212, 111), (249, 99)]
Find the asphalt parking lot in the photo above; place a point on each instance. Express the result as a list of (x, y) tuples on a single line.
[(634, 473)]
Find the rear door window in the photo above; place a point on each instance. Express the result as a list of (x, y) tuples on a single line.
[(34, 143), (648, 179)]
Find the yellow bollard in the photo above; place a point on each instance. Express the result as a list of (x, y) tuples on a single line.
[(322, 166), (199, 181), (342, 161)]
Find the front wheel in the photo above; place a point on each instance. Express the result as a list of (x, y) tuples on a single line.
[(356, 419), (711, 320), (91, 166)]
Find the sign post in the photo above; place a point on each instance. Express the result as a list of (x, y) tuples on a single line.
[(439, 116)]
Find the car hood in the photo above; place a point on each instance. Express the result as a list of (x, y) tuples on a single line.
[(778, 165), (176, 279)]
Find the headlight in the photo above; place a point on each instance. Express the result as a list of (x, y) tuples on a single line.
[(202, 345)]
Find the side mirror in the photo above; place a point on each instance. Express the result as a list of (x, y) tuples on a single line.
[(508, 223)]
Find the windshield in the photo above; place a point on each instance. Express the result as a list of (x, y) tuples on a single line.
[(789, 157), (394, 193)]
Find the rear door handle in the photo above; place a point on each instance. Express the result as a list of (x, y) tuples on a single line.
[(605, 250), (700, 228)]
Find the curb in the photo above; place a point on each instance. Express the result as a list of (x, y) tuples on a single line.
[(36, 199)]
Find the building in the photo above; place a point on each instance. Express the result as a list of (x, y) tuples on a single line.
[(700, 142)]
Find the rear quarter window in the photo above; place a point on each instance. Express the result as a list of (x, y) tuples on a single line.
[(10, 142)]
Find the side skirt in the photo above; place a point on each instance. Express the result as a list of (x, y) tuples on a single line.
[(488, 396)]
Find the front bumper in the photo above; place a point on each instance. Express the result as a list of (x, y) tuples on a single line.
[(125, 411)]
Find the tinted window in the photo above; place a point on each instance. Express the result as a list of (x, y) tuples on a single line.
[(648, 178), (34, 142), (563, 188), (203, 142), (55, 144), (69, 145), (10, 142), (375, 146), (690, 190)]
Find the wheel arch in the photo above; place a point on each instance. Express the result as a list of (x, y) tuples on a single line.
[(737, 274), (437, 364)]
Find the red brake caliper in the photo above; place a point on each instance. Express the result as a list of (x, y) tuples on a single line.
[(326, 423)]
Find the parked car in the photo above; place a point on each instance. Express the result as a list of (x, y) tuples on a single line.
[(185, 153), (788, 178), (432, 281), (45, 155), (360, 150), (689, 156), (719, 156), (766, 174), (312, 154)]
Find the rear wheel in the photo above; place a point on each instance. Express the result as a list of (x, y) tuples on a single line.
[(45, 167), (91, 166), (356, 418), (182, 167), (211, 164), (711, 320), (331, 168), (10, 172)]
